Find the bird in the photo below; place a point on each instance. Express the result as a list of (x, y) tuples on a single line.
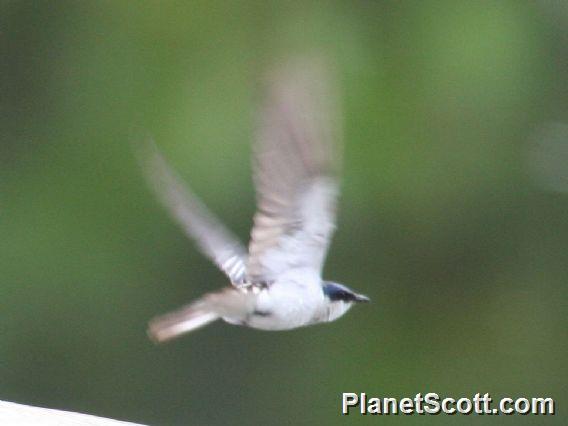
[(277, 283)]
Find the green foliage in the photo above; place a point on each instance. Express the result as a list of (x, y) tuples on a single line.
[(440, 223)]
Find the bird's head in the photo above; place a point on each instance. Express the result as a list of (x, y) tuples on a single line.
[(340, 299)]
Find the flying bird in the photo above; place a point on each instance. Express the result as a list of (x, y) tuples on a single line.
[(277, 283)]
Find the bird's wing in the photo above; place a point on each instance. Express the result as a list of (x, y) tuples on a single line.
[(296, 166), (214, 240)]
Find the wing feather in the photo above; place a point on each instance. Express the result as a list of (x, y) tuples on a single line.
[(211, 236), (295, 173)]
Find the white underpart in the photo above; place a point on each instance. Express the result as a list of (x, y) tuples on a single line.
[(292, 301)]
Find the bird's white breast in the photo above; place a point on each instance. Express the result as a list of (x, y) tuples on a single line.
[(290, 302)]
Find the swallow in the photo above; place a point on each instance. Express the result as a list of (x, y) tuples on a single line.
[(277, 283)]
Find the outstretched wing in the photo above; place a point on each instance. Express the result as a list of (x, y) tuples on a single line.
[(214, 240), (295, 173)]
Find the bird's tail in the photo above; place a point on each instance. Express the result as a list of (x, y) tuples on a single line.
[(189, 318), (228, 303)]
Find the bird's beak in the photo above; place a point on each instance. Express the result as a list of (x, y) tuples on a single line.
[(361, 298)]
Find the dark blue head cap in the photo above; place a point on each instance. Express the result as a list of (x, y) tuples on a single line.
[(336, 292)]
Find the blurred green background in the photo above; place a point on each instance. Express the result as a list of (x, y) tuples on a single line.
[(442, 221)]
